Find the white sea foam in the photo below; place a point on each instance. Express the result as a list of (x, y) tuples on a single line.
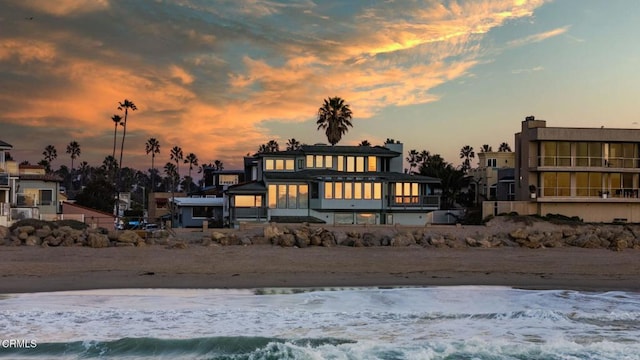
[(426, 322)]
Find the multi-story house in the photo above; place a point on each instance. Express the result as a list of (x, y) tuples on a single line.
[(8, 176), (489, 179), (592, 173), (333, 185)]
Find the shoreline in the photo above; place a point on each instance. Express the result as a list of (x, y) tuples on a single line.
[(33, 269)]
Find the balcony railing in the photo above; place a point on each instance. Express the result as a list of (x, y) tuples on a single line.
[(250, 212), (586, 161), (415, 201), (590, 192)]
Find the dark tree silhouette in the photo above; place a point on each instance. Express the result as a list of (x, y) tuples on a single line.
[(334, 116), (152, 147), (73, 149)]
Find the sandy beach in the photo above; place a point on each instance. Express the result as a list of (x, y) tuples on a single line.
[(35, 269)]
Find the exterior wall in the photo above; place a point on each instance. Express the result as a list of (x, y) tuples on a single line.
[(485, 177), (505, 207), (396, 164), (37, 185), (411, 219), (595, 212), (92, 217)]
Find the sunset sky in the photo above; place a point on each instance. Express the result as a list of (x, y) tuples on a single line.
[(219, 78)]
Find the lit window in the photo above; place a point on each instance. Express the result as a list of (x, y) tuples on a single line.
[(269, 164), (293, 195), (367, 191), (338, 190), (377, 191), (360, 164), (248, 201), (328, 161), (348, 190), (282, 196), (328, 190), (340, 166), (273, 196), (351, 164), (318, 161), (372, 164), (303, 196), (288, 164), (279, 164), (357, 190), (309, 161)]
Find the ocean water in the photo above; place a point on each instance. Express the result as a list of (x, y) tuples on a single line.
[(460, 322)]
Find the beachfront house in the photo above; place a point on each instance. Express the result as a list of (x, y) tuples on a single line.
[(333, 185), (591, 173)]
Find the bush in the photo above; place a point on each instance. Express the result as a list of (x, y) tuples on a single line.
[(74, 224), (37, 224)]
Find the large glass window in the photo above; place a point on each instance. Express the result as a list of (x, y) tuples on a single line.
[(338, 190), (372, 163), (360, 164), (556, 184), (357, 190), (202, 212), (328, 161), (406, 193), (351, 164), (226, 179), (564, 153), (340, 165), (343, 218), (550, 152), (582, 154), (310, 163), (367, 191), (328, 190), (595, 154), (279, 164), (248, 200), (303, 196), (282, 196), (273, 196), (348, 190), (365, 218), (377, 191), (293, 196)]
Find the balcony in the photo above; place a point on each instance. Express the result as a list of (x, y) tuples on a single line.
[(585, 162), (249, 213), (426, 201)]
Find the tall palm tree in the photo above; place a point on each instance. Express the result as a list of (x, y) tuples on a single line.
[(74, 150), (117, 119), (172, 173), (293, 144), (177, 156), (486, 148), (152, 146), (504, 147), (192, 160), (364, 143), (467, 154), (50, 153), (84, 169), (334, 116), (218, 165), (126, 105)]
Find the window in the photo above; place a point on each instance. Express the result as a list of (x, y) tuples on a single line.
[(328, 190), (300, 163), (360, 164), (248, 200), (46, 197), (365, 218), (202, 212), (338, 190), (318, 161), (226, 179), (303, 196), (310, 161), (348, 190), (291, 196), (367, 191), (357, 190), (343, 219), (564, 154), (372, 164), (340, 164), (377, 191), (351, 164), (279, 164), (328, 161), (406, 193), (491, 163)]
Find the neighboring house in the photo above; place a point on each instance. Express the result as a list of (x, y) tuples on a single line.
[(194, 211), (333, 185), (592, 173), (158, 205), (485, 178), (91, 217), (8, 177), (36, 194)]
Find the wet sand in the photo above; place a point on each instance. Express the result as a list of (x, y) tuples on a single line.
[(35, 269)]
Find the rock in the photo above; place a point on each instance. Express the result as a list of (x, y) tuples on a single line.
[(23, 235), (216, 236), (437, 240), (4, 233), (519, 233), (55, 240), (129, 236), (370, 239), (231, 239), (302, 237), (177, 245), (272, 232), (43, 233), (286, 240), (403, 239), (26, 229), (245, 240), (32, 241), (96, 240)]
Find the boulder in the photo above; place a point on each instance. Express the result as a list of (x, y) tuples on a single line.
[(519, 233), (130, 237), (32, 240), (23, 235), (437, 240), (25, 229), (43, 233), (230, 239), (303, 237), (4, 233), (286, 240), (370, 239), (272, 232), (96, 240), (403, 239), (55, 240)]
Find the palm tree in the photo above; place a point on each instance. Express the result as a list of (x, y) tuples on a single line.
[(50, 153), (486, 148), (126, 105), (117, 119), (504, 147), (293, 144), (467, 154), (364, 143), (84, 169), (177, 156), (271, 146), (424, 157), (74, 150), (412, 159), (334, 116), (192, 160), (153, 147), (218, 165), (172, 173)]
